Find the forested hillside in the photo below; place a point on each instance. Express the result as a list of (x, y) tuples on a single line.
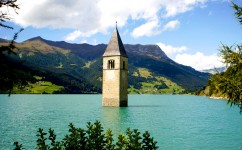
[(78, 67)]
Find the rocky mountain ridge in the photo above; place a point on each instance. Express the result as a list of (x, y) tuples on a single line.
[(78, 67)]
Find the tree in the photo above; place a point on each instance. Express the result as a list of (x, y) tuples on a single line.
[(93, 138), (12, 71), (229, 82), (4, 15), (238, 12)]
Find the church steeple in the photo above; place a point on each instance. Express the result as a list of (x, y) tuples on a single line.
[(115, 73), (115, 46)]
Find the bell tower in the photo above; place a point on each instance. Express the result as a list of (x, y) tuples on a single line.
[(115, 73)]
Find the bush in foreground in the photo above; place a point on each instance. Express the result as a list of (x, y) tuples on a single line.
[(93, 138)]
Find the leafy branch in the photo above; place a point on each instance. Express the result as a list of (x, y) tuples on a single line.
[(93, 138), (4, 15)]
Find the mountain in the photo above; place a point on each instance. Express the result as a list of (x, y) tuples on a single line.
[(85, 51), (3, 40), (215, 70), (78, 67)]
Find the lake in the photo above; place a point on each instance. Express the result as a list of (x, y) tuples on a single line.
[(175, 121)]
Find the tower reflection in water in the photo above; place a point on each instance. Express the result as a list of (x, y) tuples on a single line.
[(116, 118)]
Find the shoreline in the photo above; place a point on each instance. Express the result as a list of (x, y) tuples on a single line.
[(218, 98)]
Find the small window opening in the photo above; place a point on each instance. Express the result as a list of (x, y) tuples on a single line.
[(111, 64), (123, 64)]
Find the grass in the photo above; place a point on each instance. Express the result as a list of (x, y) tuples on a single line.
[(38, 77), (144, 72), (39, 87), (135, 74), (132, 90), (60, 66), (149, 87), (88, 64), (41, 46)]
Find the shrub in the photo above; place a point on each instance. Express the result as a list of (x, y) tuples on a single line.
[(93, 138)]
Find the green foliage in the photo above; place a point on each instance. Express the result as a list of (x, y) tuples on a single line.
[(17, 146), (184, 76), (73, 78), (41, 145), (152, 85), (229, 83), (148, 141), (4, 15), (12, 72), (94, 138), (109, 140), (54, 145), (39, 86), (162, 86), (76, 139), (122, 142), (79, 68), (238, 12), (134, 139)]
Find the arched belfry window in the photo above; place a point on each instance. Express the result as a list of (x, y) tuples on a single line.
[(111, 64), (123, 64)]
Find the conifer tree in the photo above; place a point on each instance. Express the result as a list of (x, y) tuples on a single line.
[(229, 83)]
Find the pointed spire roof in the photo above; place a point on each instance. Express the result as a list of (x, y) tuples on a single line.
[(115, 46)]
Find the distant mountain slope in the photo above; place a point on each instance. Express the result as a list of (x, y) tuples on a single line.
[(84, 51), (78, 67), (215, 70)]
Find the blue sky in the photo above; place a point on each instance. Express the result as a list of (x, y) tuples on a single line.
[(189, 31)]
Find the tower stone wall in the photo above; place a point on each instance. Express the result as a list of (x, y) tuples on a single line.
[(115, 73)]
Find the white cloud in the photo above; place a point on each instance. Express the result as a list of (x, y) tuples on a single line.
[(152, 27), (95, 42), (199, 61), (174, 7), (72, 36), (147, 29), (125, 32), (87, 16), (76, 34), (84, 41), (171, 25), (170, 50), (58, 14)]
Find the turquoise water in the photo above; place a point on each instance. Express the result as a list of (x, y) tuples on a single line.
[(175, 121)]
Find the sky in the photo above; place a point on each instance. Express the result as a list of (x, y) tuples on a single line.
[(190, 32)]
